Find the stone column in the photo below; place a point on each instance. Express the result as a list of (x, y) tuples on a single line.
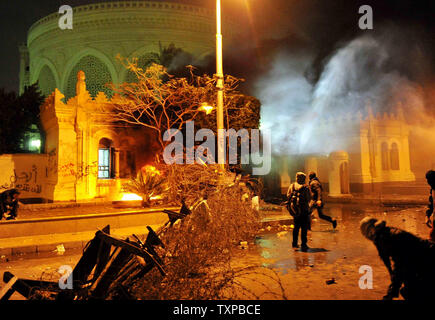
[(117, 164), (311, 164)]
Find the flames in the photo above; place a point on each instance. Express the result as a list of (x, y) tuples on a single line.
[(151, 170), (130, 197), (135, 197)]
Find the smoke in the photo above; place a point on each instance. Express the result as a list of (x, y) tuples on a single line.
[(383, 70)]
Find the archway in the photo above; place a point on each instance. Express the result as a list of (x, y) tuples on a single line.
[(394, 157), (46, 81), (384, 155), (97, 76)]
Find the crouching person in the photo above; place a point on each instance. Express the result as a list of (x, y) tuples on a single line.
[(430, 177), (9, 204), (409, 259)]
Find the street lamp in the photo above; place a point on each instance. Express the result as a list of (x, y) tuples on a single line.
[(220, 89)]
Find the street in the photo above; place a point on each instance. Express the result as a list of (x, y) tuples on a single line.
[(334, 255)]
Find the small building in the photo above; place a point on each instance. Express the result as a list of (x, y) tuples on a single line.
[(372, 152)]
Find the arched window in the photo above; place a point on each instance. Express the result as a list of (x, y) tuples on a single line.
[(394, 157), (97, 76), (384, 154), (105, 159)]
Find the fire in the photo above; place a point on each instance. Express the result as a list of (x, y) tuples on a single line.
[(130, 197), (156, 198), (152, 170)]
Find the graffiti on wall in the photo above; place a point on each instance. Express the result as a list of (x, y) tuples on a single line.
[(83, 170), (26, 180)]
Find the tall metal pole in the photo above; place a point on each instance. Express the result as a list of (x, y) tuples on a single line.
[(220, 88)]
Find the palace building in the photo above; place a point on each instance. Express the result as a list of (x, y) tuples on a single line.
[(102, 31)]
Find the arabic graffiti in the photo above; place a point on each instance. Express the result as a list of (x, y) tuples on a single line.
[(24, 181), (83, 170)]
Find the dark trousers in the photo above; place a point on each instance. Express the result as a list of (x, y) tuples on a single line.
[(321, 215), (301, 223)]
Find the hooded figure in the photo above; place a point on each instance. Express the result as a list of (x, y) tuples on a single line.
[(317, 199), (409, 259), (298, 196), (430, 177), (9, 203)]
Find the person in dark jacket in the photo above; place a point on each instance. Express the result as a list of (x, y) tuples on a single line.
[(9, 204), (430, 177), (298, 196), (317, 199), (410, 260)]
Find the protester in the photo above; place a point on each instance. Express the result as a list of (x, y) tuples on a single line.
[(430, 177), (317, 199), (409, 259), (9, 204), (298, 196)]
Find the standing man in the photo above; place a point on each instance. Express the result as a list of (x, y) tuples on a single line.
[(317, 200), (9, 204), (430, 177), (298, 196)]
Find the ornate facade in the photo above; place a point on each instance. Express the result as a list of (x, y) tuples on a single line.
[(89, 156), (371, 150), (101, 31)]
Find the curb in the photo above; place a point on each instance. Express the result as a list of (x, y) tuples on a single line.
[(51, 247)]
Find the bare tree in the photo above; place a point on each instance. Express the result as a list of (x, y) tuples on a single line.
[(160, 101)]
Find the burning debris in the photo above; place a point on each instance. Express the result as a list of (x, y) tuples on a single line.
[(107, 269)]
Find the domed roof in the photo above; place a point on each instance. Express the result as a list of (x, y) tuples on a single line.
[(103, 30)]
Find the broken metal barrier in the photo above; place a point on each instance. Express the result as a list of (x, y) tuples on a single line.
[(108, 267)]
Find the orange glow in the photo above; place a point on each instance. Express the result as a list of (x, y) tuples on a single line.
[(156, 198), (130, 197), (152, 170), (206, 108)]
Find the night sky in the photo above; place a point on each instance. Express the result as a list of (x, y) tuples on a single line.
[(319, 26)]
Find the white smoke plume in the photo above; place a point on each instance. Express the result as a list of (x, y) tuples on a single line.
[(366, 70)]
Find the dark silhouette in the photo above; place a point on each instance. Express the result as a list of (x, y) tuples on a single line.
[(430, 177), (298, 196), (9, 204), (409, 259), (317, 199)]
